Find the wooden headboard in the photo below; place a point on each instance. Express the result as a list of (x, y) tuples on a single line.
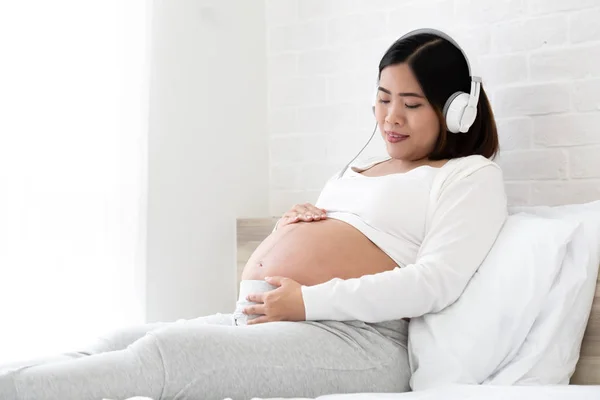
[(588, 367), (252, 231)]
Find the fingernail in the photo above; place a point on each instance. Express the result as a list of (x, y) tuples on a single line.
[(307, 216)]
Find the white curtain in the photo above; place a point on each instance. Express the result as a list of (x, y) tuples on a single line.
[(73, 102)]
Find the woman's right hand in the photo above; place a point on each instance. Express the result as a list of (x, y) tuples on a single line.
[(302, 213)]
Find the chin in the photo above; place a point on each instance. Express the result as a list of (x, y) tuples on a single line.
[(398, 154)]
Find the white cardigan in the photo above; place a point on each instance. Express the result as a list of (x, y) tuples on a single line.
[(467, 208)]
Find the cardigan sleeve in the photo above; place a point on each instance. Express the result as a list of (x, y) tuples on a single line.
[(465, 222)]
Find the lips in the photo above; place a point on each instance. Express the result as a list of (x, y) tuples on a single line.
[(395, 137)]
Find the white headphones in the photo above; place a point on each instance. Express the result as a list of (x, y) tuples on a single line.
[(460, 109)]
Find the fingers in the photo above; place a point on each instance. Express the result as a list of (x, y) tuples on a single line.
[(258, 320), (303, 213), (288, 218), (257, 309), (275, 280), (317, 213), (307, 212), (256, 297), (292, 217)]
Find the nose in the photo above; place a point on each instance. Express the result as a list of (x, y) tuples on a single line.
[(395, 114)]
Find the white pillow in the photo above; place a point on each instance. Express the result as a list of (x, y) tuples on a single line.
[(468, 340), (551, 350)]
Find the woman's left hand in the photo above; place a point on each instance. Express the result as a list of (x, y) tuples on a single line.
[(282, 304)]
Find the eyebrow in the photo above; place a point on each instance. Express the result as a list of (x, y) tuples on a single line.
[(403, 94)]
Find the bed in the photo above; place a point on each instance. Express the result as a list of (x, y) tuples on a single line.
[(484, 392), (584, 384)]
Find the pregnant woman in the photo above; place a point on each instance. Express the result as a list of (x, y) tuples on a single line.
[(325, 300)]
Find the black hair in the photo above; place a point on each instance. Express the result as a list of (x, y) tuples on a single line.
[(442, 70)]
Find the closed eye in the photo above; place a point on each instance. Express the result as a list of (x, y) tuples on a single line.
[(412, 106)]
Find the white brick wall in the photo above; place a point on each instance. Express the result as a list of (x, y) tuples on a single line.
[(540, 61)]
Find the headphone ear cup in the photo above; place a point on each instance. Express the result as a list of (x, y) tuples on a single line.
[(454, 109)]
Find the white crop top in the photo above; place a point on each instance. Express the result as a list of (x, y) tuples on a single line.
[(438, 224), (390, 210)]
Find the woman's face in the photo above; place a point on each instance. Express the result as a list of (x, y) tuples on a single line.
[(408, 123)]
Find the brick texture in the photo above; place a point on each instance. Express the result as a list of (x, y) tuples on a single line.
[(538, 59)]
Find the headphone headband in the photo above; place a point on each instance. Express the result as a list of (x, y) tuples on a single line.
[(442, 35)]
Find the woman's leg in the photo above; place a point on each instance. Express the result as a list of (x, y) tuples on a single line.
[(121, 338), (117, 339), (113, 340), (192, 360), (110, 341)]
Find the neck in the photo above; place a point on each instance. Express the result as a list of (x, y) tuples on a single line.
[(409, 163)]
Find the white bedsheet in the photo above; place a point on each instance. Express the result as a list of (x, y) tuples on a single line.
[(483, 392), (466, 392)]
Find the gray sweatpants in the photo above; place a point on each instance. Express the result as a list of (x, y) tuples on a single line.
[(218, 356)]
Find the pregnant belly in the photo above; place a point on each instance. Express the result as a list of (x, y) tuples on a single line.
[(315, 252)]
